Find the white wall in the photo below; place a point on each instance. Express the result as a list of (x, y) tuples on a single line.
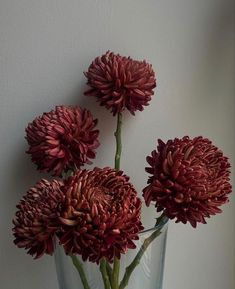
[(44, 47)]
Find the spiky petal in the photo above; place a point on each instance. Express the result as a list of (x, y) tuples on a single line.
[(120, 82), (189, 179), (102, 216), (62, 138), (36, 221)]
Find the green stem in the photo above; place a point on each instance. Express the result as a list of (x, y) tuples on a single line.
[(115, 275), (159, 224), (110, 272), (118, 142), (103, 270), (81, 271), (116, 264)]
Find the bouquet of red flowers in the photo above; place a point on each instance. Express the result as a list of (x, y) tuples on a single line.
[(96, 213)]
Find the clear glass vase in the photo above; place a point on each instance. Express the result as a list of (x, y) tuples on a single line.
[(148, 274)]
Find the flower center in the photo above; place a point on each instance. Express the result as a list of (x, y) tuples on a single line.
[(99, 195)]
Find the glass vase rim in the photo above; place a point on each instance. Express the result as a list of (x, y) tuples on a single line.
[(162, 224)]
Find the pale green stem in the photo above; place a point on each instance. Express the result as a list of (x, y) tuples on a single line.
[(103, 270), (110, 272), (115, 275), (118, 142), (116, 264), (79, 267)]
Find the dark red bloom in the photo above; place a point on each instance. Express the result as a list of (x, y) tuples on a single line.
[(190, 179), (102, 216), (62, 138), (36, 221), (120, 82)]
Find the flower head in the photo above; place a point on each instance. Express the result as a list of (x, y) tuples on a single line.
[(62, 138), (36, 221), (190, 179), (120, 82), (102, 215)]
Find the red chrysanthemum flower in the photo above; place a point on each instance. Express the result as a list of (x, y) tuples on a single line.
[(36, 221), (103, 214), (190, 179), (120, 82), (62, 138)]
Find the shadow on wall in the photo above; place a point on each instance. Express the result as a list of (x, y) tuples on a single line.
[(217, 54)]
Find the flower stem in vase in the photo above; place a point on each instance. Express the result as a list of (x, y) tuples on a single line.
[(159, 224)]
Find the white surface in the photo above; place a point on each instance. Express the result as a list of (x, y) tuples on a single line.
[(44, 47)]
